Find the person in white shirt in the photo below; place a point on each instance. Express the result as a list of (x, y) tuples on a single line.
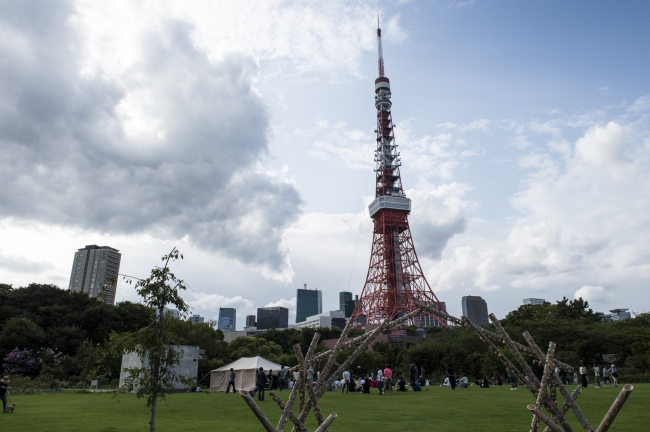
[(346, 382), (597, 375), (583, 374)]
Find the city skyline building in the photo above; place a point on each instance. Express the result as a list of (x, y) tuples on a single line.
[(347, 303), (251, 321), (616, 315), (95, 270), (227, 321), (475, 309), (395, 281), (533, 301), (429, 321), (326, 320), (276, 317), (308, 303), (197, 319)]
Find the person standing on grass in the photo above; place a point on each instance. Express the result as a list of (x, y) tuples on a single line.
[(614, 374), (413, 372), (231, 381), (380, 374), (606, 376), (512, 379), (451, 376), (282, 375), (597, 375), (422, 372), (388, 379), (4, 388), (261, 383), (345, 387), (583, 374)]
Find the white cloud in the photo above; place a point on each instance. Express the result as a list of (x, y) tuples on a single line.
[(593, 294)]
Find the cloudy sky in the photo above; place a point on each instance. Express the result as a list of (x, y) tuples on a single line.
[(242, 133)]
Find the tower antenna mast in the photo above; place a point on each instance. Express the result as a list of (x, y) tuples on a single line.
[(381, 51)]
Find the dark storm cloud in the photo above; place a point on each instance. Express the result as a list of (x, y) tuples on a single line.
[(167, 147)]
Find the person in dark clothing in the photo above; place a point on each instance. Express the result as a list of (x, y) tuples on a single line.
[(413, 372), (583, 374), (422, 381), (231, 381), (4, 388), (401, 385), (451, 376), (366, 385), (261, 384), (563, 376), (485, 383), (538, 369)]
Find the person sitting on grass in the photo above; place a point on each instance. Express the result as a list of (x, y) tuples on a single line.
[(401, 385), (463, 382), (366, 385), (422, 381), (497, 378), (485, 383)]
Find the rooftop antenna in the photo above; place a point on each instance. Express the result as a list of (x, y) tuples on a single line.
[(381, 51)]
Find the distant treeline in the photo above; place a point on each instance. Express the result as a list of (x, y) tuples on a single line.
[(65, 333)]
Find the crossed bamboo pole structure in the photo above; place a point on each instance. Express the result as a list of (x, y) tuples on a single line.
[(544, 398)]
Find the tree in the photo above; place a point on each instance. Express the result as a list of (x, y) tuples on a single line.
[(155, 342), (20, 332)]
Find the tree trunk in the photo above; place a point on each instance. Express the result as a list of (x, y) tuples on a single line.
[(152, 421)]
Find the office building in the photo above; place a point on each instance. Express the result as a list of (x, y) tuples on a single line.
[(475, 308), (327, 319), (533, 301), (616, 315), (429, 321), (250, 321), (346, 303), (227, 319), (197, 319), (272, 317), (309, 303), (94, 271), (174, 313)]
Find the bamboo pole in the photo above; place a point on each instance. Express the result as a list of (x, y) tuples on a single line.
[(288, 407), (550, 423), (615, 408), (291, 416), (334, 353), (257, 411), (327, 422), (570, 401), (309, 385), (540, 355), (566, 405), (534, 424), (548, 370), (546, 400), (504, 359)]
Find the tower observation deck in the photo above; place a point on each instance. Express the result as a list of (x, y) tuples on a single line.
[(395, 281)]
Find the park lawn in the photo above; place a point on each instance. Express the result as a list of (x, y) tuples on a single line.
[(435, 408)]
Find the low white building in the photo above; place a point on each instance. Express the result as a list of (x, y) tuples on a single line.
[(533, 301), (327, 319), (188, 366)]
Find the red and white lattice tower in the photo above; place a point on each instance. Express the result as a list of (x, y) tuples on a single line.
[(395, 281)]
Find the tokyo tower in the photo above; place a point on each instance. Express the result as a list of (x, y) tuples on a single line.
[(395, 281)]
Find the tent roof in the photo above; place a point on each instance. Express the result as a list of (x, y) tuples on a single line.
[(250, 363)]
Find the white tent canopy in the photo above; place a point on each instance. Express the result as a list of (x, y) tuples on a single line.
[(245, 369)]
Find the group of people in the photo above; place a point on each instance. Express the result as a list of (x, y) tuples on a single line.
[(609, 374)]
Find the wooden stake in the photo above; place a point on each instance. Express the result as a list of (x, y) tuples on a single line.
[(292, 417), (615, 408), (550, 423), (257, 411), (328, 421)]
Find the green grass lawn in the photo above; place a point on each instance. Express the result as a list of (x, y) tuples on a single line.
[(438, 408)]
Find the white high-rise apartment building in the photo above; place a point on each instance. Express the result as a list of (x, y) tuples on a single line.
[(533, 301), (93, 269)]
